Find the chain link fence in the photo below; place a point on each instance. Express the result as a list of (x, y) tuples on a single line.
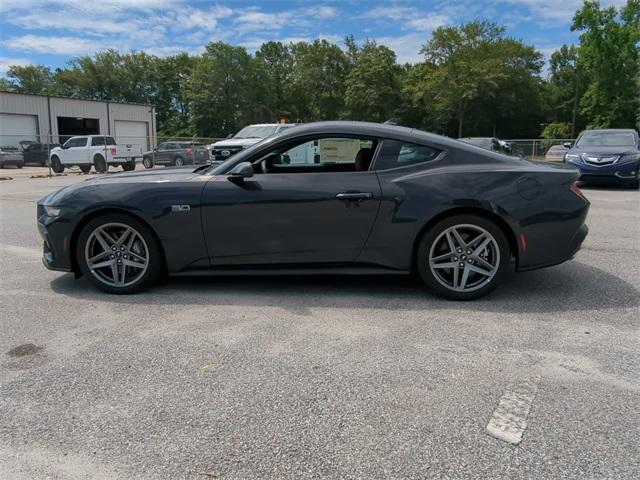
[(549, 150), (36, 149)]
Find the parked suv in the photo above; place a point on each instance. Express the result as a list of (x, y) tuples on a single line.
[(493, 144), (11, 155), (611, 154), (36, 153), (177, 154), (246, 137)]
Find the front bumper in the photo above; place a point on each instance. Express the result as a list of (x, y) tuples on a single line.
[(56, 236), (622, 171)]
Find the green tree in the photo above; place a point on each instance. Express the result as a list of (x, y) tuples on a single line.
[(274, 63), (557, 130), (609, 51), (220, 90), (566, 86), (372, 85), (31, 78), (473, 68), (318, 80)]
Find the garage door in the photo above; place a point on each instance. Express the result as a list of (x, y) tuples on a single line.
[(14, 128), (132, 132)]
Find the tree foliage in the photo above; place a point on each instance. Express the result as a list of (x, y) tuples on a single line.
[(474, 81)]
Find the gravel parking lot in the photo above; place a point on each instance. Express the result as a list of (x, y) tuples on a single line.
[(323, 377)]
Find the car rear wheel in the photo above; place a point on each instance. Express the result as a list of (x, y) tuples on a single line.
[(56, 166), (463, 257), (147, 162), (127, 167), (178, 161), (119, 254)]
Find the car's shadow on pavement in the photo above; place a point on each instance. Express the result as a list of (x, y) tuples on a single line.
[(568, 287)]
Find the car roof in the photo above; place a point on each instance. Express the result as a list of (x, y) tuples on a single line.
[(347, 127), (617, 130)]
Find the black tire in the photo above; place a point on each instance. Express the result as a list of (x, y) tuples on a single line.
[(20, 166), (85, 168), (147, 162), (100, 164), (56, 166), (129, 166), (426, 243), (178, 162), (156, 265), (634, 184)]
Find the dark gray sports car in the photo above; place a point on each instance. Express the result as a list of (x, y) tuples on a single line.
[(329, 197)]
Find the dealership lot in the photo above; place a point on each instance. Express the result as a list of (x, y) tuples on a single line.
[(322, 377)]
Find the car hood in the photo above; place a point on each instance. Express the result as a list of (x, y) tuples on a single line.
[(600, 151), (236, 142), (165, 175)]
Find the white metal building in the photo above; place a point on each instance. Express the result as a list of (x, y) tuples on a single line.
[(33, 117)]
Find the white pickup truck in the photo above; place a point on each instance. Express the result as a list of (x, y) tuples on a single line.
[(98, 150)]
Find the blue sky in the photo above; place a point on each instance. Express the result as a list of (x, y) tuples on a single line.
[(51, 32)]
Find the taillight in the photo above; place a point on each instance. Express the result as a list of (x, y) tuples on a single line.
[(575, 189), (189, 151), (113, 151)]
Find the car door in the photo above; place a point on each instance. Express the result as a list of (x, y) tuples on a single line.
[(75, 150), (160, 156), (292, 213)]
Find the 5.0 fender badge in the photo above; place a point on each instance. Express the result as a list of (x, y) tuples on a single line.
[(180, 208)]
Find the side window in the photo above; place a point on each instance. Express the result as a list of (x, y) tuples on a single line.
[(77, 142), (97, 141), (110, 141), (395, 154), (331, 154)]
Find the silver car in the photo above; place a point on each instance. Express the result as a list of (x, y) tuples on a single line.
[(11, 156)]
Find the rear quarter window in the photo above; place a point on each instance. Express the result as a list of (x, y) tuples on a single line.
[(394, 154)]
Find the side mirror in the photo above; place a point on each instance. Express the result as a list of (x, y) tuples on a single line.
[(241, 171), (229, 136), (568, 144)]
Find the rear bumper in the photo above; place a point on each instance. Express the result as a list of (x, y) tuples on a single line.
[(15, 160)]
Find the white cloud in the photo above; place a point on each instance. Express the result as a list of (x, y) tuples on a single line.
[(54, 44), (6, 62), (543, 11), (407, 47), (407, 18)]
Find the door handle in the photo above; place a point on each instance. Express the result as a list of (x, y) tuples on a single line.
[(354, 195)]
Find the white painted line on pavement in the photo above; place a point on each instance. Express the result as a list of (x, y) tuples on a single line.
[(22, 251), (509, 420)]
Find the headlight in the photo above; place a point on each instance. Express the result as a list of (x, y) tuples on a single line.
[(569, 157), (634, 157), (52, 211)]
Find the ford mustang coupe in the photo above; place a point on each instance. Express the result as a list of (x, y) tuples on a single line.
[(328, 197)]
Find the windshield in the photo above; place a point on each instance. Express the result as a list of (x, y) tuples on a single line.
[(606, 139), (256, 131)]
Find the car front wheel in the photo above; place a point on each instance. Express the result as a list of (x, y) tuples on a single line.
[(147, 162), (178, 162), (463, 257), (119, 254)]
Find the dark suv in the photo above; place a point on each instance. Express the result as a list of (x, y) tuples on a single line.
[(176, 153), (602, 155)]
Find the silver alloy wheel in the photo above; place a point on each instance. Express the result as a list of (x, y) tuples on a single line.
[(146, 161), (464, 258), (179, 162), (116, 254)]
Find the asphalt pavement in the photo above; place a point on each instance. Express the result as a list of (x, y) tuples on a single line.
[(320, 377)]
